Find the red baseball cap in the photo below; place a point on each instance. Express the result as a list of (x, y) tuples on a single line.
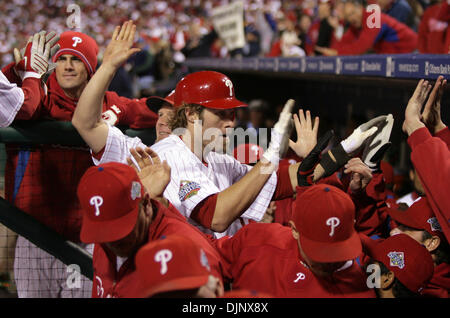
[(411, 262), (109, 195), (418, 216), (155, 103), (80, 45), (207, 88), (325, 217), (173, 263), (248, 153)]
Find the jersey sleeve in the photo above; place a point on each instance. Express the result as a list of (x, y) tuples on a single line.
[(117, 147), (11, 100), (258, 208)]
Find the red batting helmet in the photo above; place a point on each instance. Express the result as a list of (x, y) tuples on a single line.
[(207, 88)]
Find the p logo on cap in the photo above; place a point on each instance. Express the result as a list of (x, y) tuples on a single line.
[(76, 40), (163, 257), (96, 201), (333, 222)]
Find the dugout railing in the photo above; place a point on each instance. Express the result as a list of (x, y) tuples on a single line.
[(62, 134)]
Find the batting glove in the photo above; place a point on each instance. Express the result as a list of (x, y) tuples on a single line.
[(377, 145), (279, 141), (40, 47), (305, 170), (338, 156)]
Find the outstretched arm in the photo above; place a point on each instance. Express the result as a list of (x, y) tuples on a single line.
[(87, 116)]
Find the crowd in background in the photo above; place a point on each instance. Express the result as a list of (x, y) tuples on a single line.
[(171, 31)]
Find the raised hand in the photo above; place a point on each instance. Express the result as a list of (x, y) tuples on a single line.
[(361, 174), (154, 175), (431, 115), (119, 49), (306, 134), (412, 112), (33, 60), (280, 135)]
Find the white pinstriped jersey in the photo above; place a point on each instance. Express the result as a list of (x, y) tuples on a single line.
[(11, 99), (191, 181)]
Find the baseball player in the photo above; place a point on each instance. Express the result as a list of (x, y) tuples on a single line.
[(11, 99), (164, 108), (419, 222), (120, 216), (405, 267), (35, 193), (213, 194), (314, 258), (175, 267)]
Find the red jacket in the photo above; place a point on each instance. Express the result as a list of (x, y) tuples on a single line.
[(42, 179), (432, 32), (431, 158), (108, 282), (265, 258), (439, 285), (392, 37)]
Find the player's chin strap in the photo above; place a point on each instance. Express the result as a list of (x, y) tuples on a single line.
[(279, 141)]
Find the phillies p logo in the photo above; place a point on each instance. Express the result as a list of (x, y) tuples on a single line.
[(333, 222), (76, 41), (163, 257), (97, 202)]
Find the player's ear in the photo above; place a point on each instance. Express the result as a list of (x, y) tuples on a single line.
[(432, 243), (294, 230), (191, 114), (387, 280)]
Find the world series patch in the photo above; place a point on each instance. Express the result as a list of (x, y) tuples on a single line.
[(397, 259), (188, 189)]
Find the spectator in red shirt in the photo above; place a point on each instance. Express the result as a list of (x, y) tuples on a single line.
[(364, 36), (433, 31)]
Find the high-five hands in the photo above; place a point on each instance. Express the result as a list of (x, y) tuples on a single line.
[(119, 50), (154, 174), (280, 135), (33, 61), (431, 115), (306, 133)]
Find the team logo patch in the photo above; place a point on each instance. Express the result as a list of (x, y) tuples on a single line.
[(188, 189), (397, 259), (135, 190), (204, 260), (434, 224)]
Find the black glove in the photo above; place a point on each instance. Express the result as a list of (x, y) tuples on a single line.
[(306, 169)]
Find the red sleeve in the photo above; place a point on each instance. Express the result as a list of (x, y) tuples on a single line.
[(275, 50), (431, 158), (284, 186), (351, 44), (444, 12), (34, 95), (229, 249), (12, 77), (423, 33), (444, 135), (98, 155), (131, 112), (204, 211), (370, 207)]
